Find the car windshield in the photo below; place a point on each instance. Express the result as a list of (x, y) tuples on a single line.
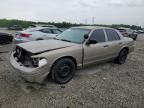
[(130, 30), (75, 35)]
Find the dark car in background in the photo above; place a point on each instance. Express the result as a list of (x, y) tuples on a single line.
[(15, 27), (6, 38), (140, 31), (127, 32)]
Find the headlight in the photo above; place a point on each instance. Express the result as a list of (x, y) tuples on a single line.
[(38, 62), (42, 62)]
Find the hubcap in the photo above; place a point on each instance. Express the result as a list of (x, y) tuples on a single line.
[(64, 71)]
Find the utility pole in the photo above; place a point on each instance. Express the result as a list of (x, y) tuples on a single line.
[(93, 20), (85, 21), (137, 25)]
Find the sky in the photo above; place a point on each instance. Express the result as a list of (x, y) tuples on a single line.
[(75, 11)]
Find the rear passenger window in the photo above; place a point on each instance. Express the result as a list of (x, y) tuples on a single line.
[(112, 35), (98, 35), (55, 31), (46, 30)]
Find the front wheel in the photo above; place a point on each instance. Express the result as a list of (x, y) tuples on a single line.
[(122, 56), (135, 38), (63, 71)]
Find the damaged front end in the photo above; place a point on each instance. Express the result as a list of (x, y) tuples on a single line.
[(25, 58), (31, 68)]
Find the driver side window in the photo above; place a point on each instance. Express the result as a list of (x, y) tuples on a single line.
[(98, 35)]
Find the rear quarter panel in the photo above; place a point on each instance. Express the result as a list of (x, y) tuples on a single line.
[(129, 43)]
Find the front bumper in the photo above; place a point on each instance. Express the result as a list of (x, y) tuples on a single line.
[(37, 75)]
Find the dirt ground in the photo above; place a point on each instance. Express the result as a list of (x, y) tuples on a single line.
[(106, 85)]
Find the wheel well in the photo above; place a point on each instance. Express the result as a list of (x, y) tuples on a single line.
[(69, 57)]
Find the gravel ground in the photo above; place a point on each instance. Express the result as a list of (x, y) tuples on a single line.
[(106, 85)]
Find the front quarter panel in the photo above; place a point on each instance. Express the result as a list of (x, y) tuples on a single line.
[(73, 51)]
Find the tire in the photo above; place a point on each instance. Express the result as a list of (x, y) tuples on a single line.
[(39, 39), (122, 56), (134, 39), (63, 71)]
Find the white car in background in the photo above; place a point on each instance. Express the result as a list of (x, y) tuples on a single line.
[(36, 33), (42, 25)]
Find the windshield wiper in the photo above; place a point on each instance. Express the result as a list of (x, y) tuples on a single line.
[(62, 40), (65, 40), (56, 38)]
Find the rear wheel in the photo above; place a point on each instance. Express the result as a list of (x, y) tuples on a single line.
[(63, 71), (135, 38), (122, 56)]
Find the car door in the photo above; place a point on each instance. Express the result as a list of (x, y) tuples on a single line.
[(96, 52), (114, 42)]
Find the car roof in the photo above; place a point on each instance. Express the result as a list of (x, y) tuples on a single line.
[(93, 27), (41, 28)]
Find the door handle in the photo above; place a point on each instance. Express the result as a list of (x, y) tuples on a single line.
[(106, 46)]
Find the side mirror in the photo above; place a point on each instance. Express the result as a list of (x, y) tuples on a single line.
[(86, 36), (92, 41)]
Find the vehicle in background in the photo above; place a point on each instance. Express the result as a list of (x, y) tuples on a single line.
[(63, 29), (42, 25), (36, 33), (15, 27), (74, 48), (127, 32), (6, 38), (140, 31)]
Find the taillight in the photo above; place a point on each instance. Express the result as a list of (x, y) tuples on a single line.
[(25, 35), (126, 33)]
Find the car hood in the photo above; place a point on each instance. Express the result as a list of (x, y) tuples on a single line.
[(45, 45)]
